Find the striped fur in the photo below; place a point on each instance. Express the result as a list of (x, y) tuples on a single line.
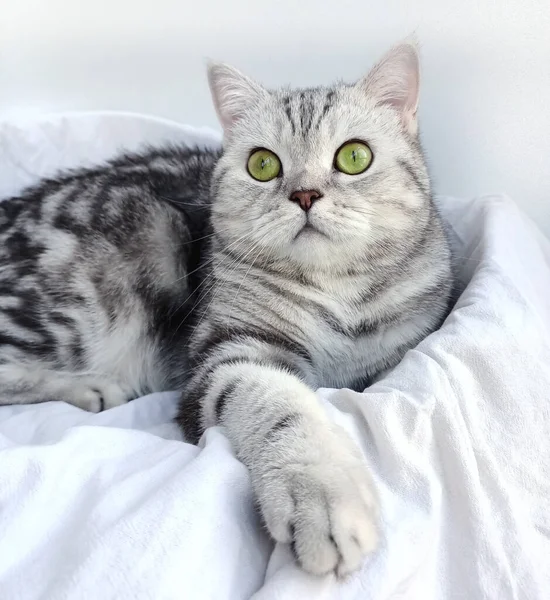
[(95, 269), (176, 269)]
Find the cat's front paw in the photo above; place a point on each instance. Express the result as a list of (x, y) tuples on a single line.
[(323, 504), (95, 394)]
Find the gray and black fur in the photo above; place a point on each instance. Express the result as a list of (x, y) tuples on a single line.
[(176, 269), (96, 278)]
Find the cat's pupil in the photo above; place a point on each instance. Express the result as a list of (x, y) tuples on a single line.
[(263, 163), (353, 155)]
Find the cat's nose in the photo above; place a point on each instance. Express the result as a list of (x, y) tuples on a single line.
[(305, 198)]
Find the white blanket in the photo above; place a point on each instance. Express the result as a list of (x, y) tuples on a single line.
[(116, 506)]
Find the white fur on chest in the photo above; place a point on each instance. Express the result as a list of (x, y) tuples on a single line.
[(339, 359)]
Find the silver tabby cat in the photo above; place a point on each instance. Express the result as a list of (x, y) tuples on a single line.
[(308, 253)]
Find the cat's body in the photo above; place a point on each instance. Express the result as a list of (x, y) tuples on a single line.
[(187, 268), (94, 279)]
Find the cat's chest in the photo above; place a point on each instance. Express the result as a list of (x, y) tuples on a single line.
[(349, 342), (340, 358)]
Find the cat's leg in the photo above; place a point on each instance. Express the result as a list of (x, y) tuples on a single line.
[(313, 488), (31, 383)]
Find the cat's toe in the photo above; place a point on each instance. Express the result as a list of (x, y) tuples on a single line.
[(95, 394), (326, 508), (85, 397), (334, 530), (115, 394)]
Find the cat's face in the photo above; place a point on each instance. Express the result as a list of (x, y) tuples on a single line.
[(289, 187)]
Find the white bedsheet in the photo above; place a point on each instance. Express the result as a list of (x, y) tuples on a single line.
[(116, 506)]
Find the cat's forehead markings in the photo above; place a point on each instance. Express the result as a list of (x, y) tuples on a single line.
[(306, 109), (288, 111), (329, 101)]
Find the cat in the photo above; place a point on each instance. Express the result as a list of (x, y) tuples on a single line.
[(307, 253)]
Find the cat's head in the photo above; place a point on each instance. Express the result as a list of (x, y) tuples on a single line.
[(320, 177)]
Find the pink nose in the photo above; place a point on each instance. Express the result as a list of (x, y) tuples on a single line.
[(305, 198)]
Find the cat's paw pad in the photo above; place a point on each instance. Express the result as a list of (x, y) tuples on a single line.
[(95, 394), (326, 510)]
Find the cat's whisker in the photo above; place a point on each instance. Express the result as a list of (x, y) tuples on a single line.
[(205, 292), (210, 260), (195, 205), (232, 266), (241, 239), (235, 265), (205, 237), (242, 281)]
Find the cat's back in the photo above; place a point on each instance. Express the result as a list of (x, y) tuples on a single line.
[(98, 258), (113, 195)]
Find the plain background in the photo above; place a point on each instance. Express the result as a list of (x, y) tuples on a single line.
[(485, 107)]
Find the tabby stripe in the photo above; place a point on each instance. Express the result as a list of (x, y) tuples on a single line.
[(377, 288), (267, 268), (326, 107), (211, 342), (287, 294), (411, 173), (296, 346), (189, 414), (25, 318), (63, 219), (10, 209), (27, 346), (331, 320), (285, 422), (302, 302), (216, 181), (277, 339), (97, 211), (286, 104), (62, 319), (265, 324), (366, 328), (303, 114), (223, 395), (269, 362)]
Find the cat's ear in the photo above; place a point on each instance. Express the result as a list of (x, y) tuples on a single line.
[(395, 81), (232, 93)]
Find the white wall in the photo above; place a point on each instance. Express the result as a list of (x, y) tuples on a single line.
[(486, 86)]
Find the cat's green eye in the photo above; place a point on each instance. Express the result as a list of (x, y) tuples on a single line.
[(264, 165), (353, 158)]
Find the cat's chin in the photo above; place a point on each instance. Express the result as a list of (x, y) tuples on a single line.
[(313, 249), (309, 230)]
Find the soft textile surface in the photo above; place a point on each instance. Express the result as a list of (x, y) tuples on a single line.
[(116, 506)]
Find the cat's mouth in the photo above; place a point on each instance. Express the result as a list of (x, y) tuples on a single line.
[(309, 229)]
